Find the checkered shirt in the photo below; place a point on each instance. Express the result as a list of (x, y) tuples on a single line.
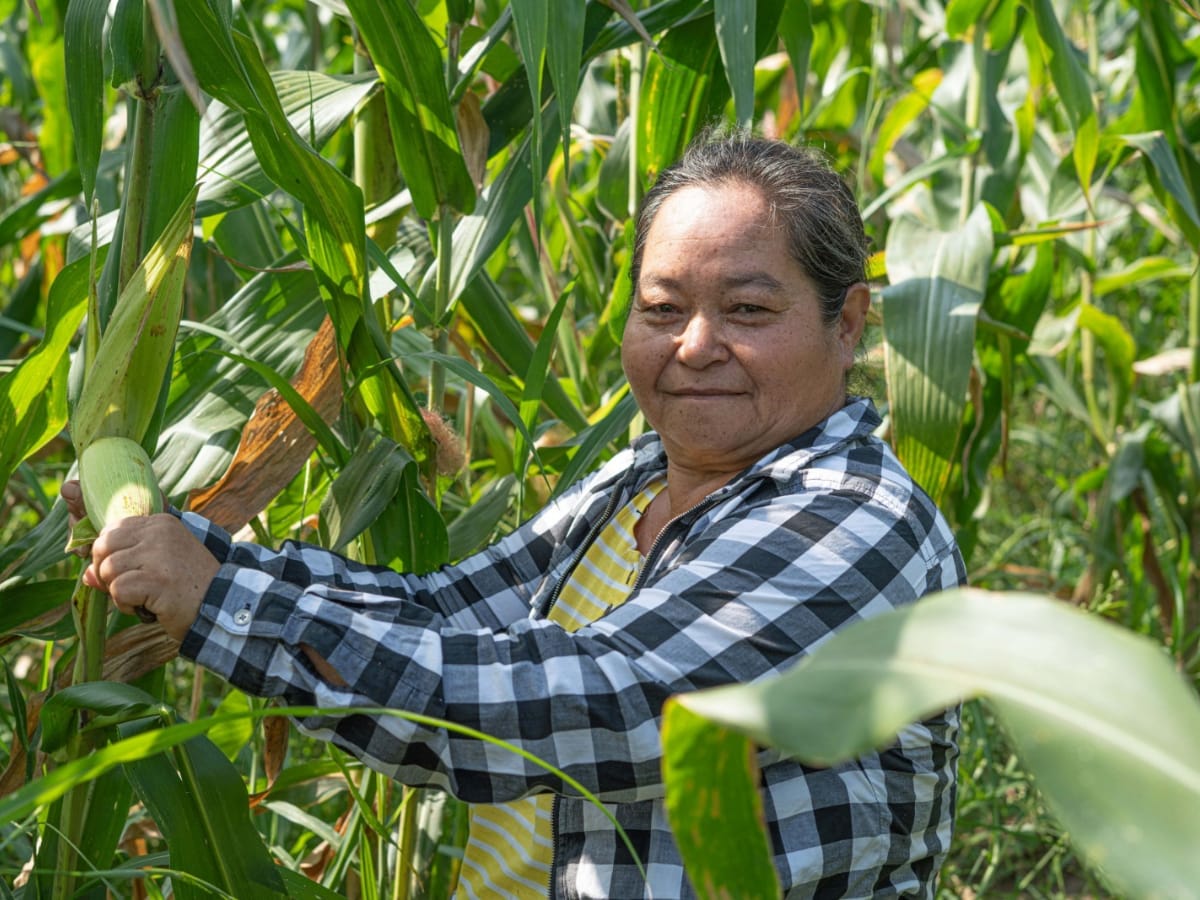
[(819, 533)]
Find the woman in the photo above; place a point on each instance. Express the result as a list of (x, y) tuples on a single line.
[(760, 517)]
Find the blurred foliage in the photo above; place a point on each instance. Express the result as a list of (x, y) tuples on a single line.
[(1026, 167)]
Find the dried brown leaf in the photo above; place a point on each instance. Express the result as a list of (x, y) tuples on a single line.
[(275, 443)]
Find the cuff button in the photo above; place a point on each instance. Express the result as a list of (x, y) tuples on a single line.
[(241, 617)]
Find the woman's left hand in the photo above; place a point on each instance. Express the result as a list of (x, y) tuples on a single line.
[(156, 563)]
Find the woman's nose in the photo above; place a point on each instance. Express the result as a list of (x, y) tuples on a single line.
[(702, 341)]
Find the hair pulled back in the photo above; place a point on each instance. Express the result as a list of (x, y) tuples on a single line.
[(807, 197)]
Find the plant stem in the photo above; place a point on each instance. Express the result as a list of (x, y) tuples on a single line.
[(1194, 325), (974, 115), (441, 303)]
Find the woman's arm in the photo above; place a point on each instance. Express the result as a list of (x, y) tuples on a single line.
[(745, 598)]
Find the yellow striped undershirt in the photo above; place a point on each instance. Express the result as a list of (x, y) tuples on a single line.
[(511, 847)]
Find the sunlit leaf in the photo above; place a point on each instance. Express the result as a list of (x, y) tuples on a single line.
[(1098, 714), (715, 807), (734, 23), (83, 35), (422, 123), (938, 280)]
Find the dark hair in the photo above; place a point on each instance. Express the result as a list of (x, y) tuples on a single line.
[(825, 229)]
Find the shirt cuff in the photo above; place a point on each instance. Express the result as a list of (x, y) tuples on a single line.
[(238, 632)]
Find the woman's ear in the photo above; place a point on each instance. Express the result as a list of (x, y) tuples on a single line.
[(853, 320)]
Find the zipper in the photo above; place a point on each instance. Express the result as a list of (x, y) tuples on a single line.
[(705, 502), (553, 843)]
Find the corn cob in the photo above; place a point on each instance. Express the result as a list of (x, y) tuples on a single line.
[(117, 480)]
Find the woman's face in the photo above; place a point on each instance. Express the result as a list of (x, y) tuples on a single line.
[(725, 349)]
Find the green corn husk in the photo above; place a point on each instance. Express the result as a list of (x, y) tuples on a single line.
[(117, 481), (121, 385)]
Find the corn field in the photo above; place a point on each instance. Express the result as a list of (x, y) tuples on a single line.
[(367, 262)]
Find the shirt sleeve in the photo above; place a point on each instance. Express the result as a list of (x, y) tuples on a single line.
[(488, 590), (746, 597)]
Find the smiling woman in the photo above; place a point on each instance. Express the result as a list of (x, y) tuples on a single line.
[(760, 517)]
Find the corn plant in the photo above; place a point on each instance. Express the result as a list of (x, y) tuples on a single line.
[(404, 300)]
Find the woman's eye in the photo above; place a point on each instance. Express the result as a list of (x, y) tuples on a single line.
[(748, 309)]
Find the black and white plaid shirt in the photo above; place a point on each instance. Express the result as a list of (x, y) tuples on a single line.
[(819, 533)]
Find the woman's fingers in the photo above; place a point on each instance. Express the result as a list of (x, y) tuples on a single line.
[(153, 565)]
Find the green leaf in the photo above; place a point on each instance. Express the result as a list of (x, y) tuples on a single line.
[(83, 34), (1098, 714), (232, 735), (1071, 79), (734, 23), (199, 801), (1119, 350), (796, 32), (929, 312), (566, 19), (33, 399), (680, 93), (419, 113), (20, 603), (316, 105), (107, 700), (364, 488), (535, 378), (715, 808), (1168, 179), (963, 15), (477, 524), (504, 333), (1143, 270)]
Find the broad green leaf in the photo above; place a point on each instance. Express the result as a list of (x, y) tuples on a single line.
[(504, 333), (110, 703), (938, 280), (47, 62), (363, 489), (536, 376), (24, 602), (125, 42), (199, 801), (597, 437), (422, 122), (272, 319), (963, 15), (28, 213), (680, 93), (903, 113), (734, 23), (33, 399), (715, 808), (317, 105), (83, 44), (1180, 415), (229, 67), (1098, 714)]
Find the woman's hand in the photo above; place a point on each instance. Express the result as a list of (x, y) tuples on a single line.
[(153, 562)]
